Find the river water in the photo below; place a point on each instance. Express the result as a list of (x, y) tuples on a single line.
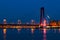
[(29, 34)]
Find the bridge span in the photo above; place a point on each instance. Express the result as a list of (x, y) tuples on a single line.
[(34, 26)]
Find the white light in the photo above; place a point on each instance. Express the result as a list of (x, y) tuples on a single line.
[(4, 20), (48, 16)]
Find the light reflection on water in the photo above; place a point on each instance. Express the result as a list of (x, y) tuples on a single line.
[(44, 34), (30, 34), (4, 33)]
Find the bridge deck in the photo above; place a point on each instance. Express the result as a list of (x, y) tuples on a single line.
[(26, 26)]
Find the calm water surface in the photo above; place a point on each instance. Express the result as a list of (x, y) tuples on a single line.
[(29, 34)]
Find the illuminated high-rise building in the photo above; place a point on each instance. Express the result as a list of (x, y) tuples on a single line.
[(41, 15)]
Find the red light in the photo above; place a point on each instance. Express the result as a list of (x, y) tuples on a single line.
[(44, 23)]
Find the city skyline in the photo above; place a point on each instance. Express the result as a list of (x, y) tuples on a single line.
[(26, 10), (42, 24), (29, 19)]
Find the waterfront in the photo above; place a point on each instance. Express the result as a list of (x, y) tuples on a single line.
[(29, 34)]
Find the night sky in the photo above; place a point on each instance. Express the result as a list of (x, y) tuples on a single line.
[(26, 10)]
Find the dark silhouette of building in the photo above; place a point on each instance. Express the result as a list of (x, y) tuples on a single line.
[(41, 15), (19, 21)]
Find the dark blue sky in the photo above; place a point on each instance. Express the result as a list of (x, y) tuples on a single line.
[(26, 10)]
